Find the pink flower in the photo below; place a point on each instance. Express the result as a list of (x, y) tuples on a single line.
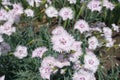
[(93, 43), (17, 9), (91, 62), (108, 5), (7, 28), (51, 12), (1, 39), (45, 72), (59, 30), (95, 5), (2, 78), (83, 75), (38, 52), (21, 52), (72, 1), (82, 26), (115, 27), (66, 13), (62, 42), (29, 12), (3, 15)]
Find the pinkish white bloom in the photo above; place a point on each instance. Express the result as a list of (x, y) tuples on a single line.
[(51, 12), (82, 26), (59, 30), (7, 29), (77, 65), (17, 9), (45, 72), (31, 2), (38, 52), (62, 71), (6, 2), (83, 75), (91, 62), (95, 5), (29, 12), (37, 2), (3, 15), (93, 43), (13, 17), (2, 78), (76, 46), (110, 42), (62, 42), (48, 66), (115, 27), (66, 13), (107, 32), (75, 56), (72, 1), (21, 52), (108, 4), (1, 39)]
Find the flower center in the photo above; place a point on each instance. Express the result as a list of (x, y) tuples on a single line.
[(63, 41), (91, 62), (81, 25), (82, 78)]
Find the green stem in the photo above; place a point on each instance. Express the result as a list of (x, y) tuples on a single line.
[(80, 11), (65, 24)]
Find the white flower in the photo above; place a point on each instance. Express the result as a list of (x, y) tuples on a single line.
[(13, 17), (115, 27), (29, 12), (107, 32), (94, 5), (66, 13), (110, 42), (77, 65), (37, 2), (76, 46), (17, 9), (93, 43), (2, 78), (3, 15), (31, 2), (38, 52), (91, 62), (51, 12), (1, 39), (62, 42), (45, 72), (21, 52), (6, 2), (108, 5), (82, 26), (7, 28), (72, 1), (59, 30), (83, 75), (49, 66), (75, 56)]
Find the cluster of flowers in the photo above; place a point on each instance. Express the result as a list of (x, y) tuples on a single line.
[(68, 48), (68, 13)]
